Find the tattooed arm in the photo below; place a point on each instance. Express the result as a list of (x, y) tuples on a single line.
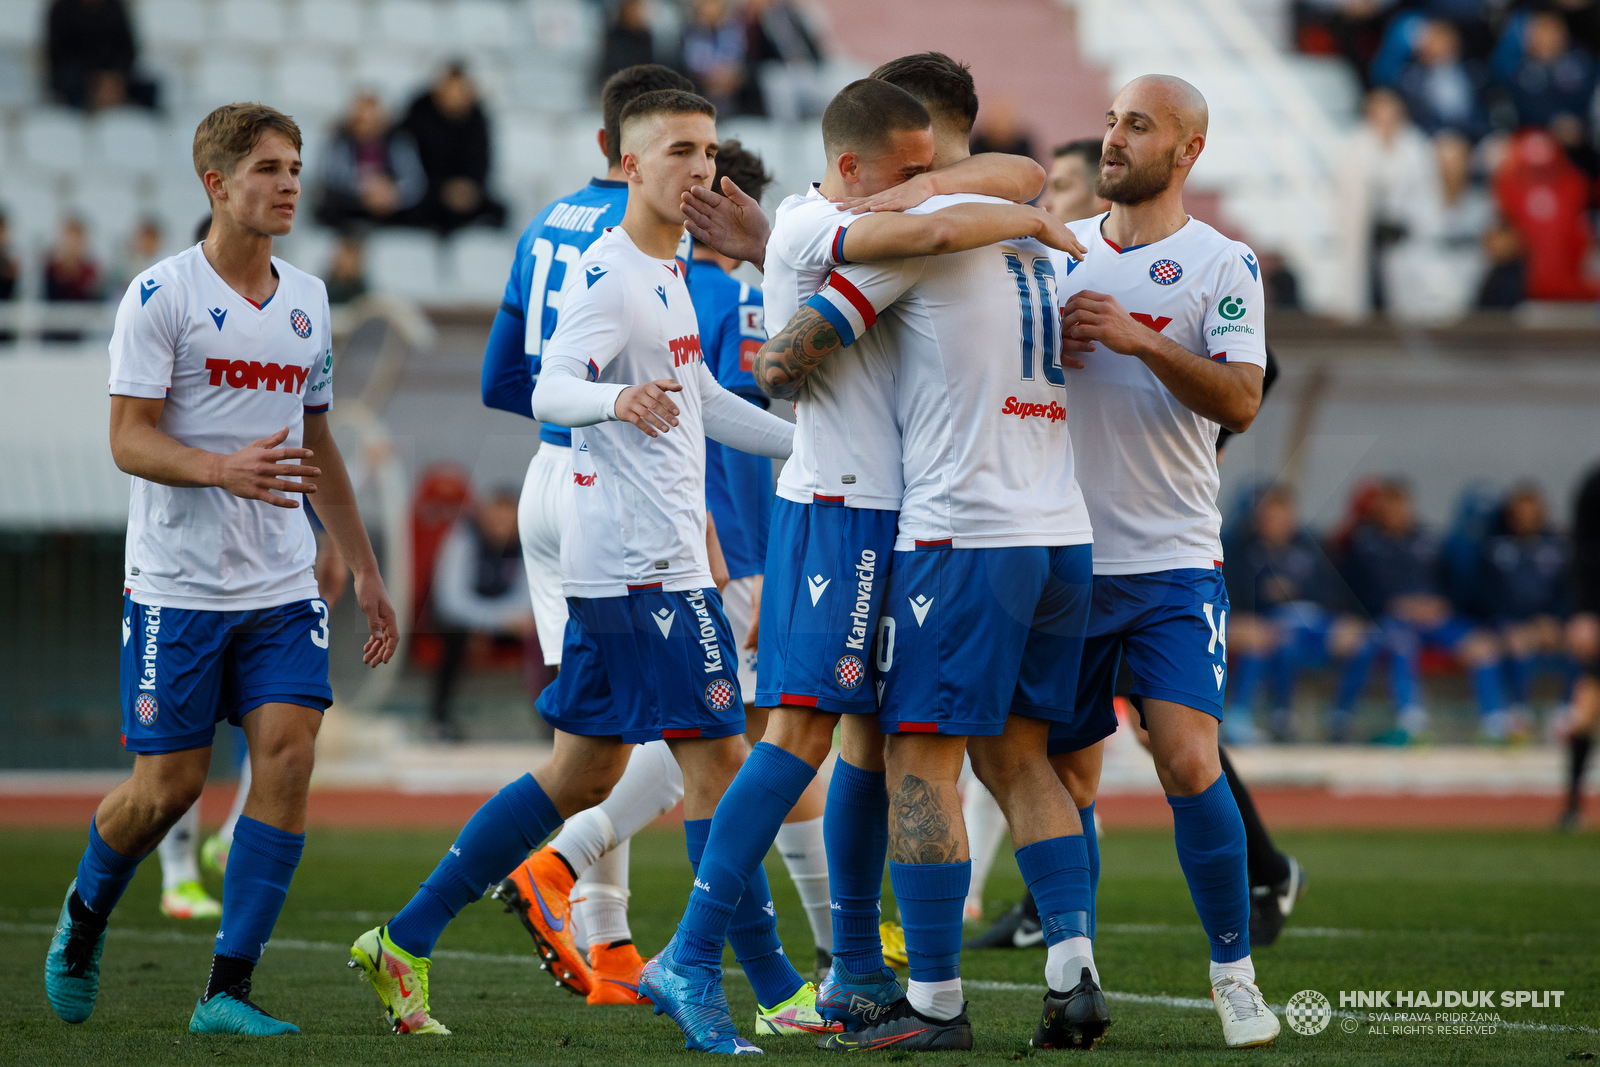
[(798, 349)]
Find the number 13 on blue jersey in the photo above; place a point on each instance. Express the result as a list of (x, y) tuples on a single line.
[(542, 295), (1047, 327)]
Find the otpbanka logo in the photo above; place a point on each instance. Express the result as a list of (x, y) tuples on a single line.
[(1308, 1012)]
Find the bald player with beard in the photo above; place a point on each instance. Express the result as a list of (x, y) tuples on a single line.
[(1176, 313)]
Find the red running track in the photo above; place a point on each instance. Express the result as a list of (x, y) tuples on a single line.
[(1283, 809)]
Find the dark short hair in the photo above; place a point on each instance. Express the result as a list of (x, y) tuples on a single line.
[(1086, 149), (626, 86), (230, 133), (744, 167), (665, 102), (864, 113), (942, 84)]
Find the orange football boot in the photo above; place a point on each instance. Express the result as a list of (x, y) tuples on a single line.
[(616, 974), (537, 893)]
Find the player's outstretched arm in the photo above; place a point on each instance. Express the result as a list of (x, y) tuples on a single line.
[(731, 224), (1014, 178), (893, 235), (737, 423), (1226, 393), (258, 471), (785, 361), (336, 507)]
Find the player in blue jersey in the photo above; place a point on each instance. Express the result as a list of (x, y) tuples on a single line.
[(739, 493)]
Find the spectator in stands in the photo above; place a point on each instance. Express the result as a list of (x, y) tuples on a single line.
[(628, 41), (91, 54), (452, 137), (1504, 285), (714, 53), (478, 588), (1441, 90), (142, 251), (70, 272), (1393, 570), (1523, 583), (1351, 28), (347, 271), (1545, 198), (782, 63), (9, 269), (1554, 77), (371, 172), (1001, 128), (1281, 591), (1280, 282)]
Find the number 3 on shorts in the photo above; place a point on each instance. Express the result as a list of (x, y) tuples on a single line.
[(319, 632)]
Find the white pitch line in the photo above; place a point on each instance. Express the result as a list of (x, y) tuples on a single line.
[(296, 945)]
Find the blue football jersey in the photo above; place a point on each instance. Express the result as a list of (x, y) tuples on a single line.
[(544, 268), (739, 486)]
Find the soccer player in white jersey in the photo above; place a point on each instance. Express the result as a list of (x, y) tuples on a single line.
[(647, 652), (986, 607), (221, 378), (1176, 312)]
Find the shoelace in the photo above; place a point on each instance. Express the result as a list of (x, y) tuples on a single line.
[(1243, 1003), (79, 950), (241, 993)]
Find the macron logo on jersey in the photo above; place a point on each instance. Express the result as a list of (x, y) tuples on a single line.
[(147, 289), (685, 349), (592, 275), (661, 291), (819, 585), (217, 315), (252, 375), (573, 217), (1255, 268)]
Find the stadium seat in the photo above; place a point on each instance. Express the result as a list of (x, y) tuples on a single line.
[(21, 21), (410, 22), (567, 28), (395, 80), (127, 140), (308, 247), (111, 207), (226, 78), (404, 263), (54, 140), (180, 205), (31, 206), (257, 23), (481, 261), (334, 22), (173, 22), (524, 145), (311, 87), (482, 24)]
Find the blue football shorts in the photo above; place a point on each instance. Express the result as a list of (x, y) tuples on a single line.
[(826, 570), (185, 670), (646, 666), (970, 636)]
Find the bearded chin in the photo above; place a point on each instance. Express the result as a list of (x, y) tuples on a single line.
[(1136, 186)]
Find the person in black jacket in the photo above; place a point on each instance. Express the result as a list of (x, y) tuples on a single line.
[(451, 133), (1523, 587), (1583, 639), (91, 55)]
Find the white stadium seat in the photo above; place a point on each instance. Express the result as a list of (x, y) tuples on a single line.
[(396, 81), (482, 263), (229, 78), (127, 139), (30, 205), (172, 22), (482, 24), (404, 263), (523, 146), (308, 247), (110, 207), (311, 85), (54, 140), (259, 23), (334, 22), (410, 22)]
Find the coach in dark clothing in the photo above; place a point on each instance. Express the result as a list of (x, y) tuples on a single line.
[(451, 133), (1522, 577), (91, 54), (1583, 638)]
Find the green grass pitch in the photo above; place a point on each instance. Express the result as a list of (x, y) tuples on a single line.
[(1426, 911)]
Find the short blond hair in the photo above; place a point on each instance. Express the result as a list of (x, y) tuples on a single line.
[(231, 132)]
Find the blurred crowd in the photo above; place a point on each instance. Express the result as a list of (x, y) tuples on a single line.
[(1497, 598), (1476, 167)]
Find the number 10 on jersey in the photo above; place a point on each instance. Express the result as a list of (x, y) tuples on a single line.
[(1048, 325)]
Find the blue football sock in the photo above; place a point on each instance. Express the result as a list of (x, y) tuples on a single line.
[(1519, 679), (1285, 666), (1354, 677), (103, 874), (1405, 681), (752, 931), (1212, 852), (746, 823), (1486, 688), (1058, 875), (855, 832), (497, 838), (1244, 683), (1091, 843), (260, 866), (931, 896)]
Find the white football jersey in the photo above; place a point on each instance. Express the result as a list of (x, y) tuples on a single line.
[(1147, 464), (639, 503), (231, 373), (846, 439), (987, 459)]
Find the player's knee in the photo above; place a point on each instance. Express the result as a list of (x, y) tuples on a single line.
[(1478, 648), (802, 732), (1191, 770)]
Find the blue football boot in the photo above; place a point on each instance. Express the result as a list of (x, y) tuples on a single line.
[(856, 1000), (72, 968), (231, 1012), (691, 996)]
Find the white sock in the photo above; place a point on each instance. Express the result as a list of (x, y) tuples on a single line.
[(584, 838), (986, 826), (1064, 964), (805, 856), (936, 1000), (226, 833), (600, 900), (179, 851), (1244, 968), (650, 786)]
